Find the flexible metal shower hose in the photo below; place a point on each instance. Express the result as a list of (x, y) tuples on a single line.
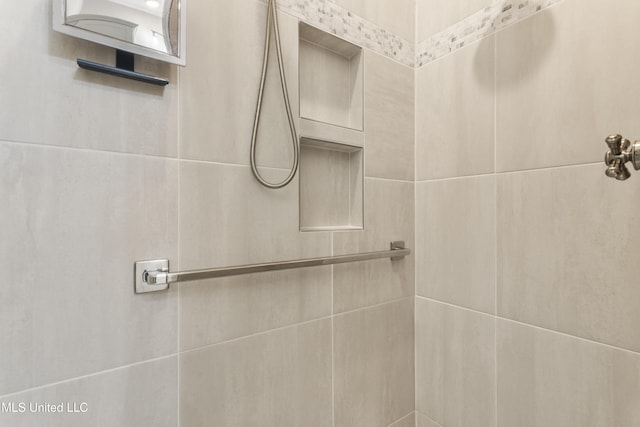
[(272, 22)]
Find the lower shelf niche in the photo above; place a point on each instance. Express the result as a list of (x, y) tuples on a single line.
[(331, 186)]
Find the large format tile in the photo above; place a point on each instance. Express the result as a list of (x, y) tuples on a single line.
[(558, 94), (389, 214), (228, 219), (49, 100), (456, 237), (374, 365), (73, 222), (455, 114), (280, 378), (434, 16), (219, 88), (565, 238), (389, 118), (396, 16), (455, 365), (145, 394), (216, 310), (552, 380)]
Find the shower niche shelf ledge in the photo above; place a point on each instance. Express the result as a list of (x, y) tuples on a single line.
[(311, 129), (330, 78), (331, 186)]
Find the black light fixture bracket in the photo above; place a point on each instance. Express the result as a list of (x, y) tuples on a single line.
[(124, 68)]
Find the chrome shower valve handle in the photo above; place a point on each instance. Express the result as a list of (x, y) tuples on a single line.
[(620, 152)]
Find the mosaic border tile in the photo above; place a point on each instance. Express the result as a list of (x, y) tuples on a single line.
[(482, 24), (334, 19)]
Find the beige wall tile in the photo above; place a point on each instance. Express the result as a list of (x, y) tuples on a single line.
[(564, 240), (389, 118), (73, 222), (455, 365), (219, 87), (145, 394), (455, 114), (549, 379), (280, 378), (228, 219), (389, 214), (434, 16), (456, 238), (216, 310), (374, 365), (49, 100), (558, 95), (396, 16)]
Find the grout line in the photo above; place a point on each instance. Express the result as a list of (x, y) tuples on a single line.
[(390, 179), (350, 205), (418, 414), (329, 317), (333, 361), (448, 304), (566, 335), (402, 418), (415, 225), (543, 168), (256, 334), (551, 331), (85, 149), (371, 307), (239, 165), (94, 374), (179, 331), (133, 155), (456, 178), (495, 228), (333, 372)]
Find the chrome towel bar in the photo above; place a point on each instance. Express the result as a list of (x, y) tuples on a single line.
[(151, 276)]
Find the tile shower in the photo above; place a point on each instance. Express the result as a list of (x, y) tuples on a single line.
[(482, 127)]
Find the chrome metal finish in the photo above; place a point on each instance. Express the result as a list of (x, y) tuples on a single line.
[(141, 271), (157, 279), (272, 24), (620, 152)]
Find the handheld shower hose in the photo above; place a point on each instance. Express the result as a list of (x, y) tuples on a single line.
[(272, 24)]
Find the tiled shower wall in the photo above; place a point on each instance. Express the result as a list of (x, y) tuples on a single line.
[(525, 306), (527, 297), (319, 347), (97, 172)]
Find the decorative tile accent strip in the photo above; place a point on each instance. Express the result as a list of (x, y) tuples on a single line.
[(334, 19), (484, 23)]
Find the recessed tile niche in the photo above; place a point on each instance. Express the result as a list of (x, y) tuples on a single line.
[(331, 132), (330, 79), (330, 186)]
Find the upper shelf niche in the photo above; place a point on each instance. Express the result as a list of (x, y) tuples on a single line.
[(331, 79)]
